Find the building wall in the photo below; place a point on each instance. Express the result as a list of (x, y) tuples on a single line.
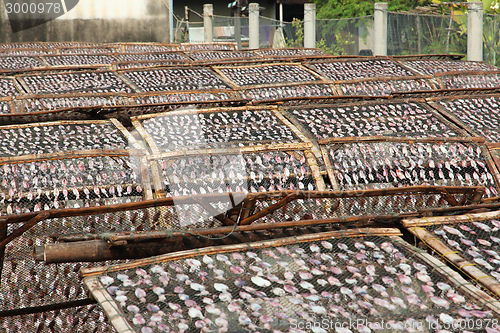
[(99, 21)]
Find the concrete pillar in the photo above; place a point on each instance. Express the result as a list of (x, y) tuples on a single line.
[(380, 23), (310, 25), (253, 29), (208, 14), (475, 31)]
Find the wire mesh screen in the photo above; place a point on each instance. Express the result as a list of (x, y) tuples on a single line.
[(426, 34), (45, 138), (396, 164), (357, 69), (430, 67), (224, 128), (277, 93), (344, 36), (245, 172), (172, 79), (476, 241), (268, 74), (385, 87), (151, 56), (46, 103), (320, 284), (86, 319), (19, 62), (78, 60), (75, 82), (372, 119), (481, 114), (491, 38), (224, 55), (7, 87), (461, 81), (183, 97), (40, 184)]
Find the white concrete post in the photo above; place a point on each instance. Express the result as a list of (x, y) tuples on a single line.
[(380, 23), (253, 29), (208, 13), (475, 31), (310, 25)]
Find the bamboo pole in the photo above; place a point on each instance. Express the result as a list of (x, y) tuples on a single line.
[(47, 308), (70, 155), (183, 200), (316, 173), (3, 236), (242, 247), (438, 220), (271, 209), (399, 139), (114, 313), (234, 150), (456, 260), (146, 136), (25, 227)]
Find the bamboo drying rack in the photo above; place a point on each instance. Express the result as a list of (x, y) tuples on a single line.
[(417, 228), (439, 76), (421, 103), (208, 46), (137, 121), (124, 47), (319, 78)]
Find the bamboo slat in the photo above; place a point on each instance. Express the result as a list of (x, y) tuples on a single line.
[(492, 166), (70, 155), (113, 311), (245, 246), (399, 139), (130, 138), (316, 173), (146, 136), (455, 279), (234, 150), (157, 180), (439, 220), (186, 200), (456, 260)]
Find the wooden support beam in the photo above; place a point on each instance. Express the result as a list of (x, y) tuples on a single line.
[(25, 227), (46, 308), (269, 210)]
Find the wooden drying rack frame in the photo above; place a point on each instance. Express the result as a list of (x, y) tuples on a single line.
[(417, 227)]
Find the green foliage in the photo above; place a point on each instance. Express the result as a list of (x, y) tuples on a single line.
[(335, 9), (337, 48)]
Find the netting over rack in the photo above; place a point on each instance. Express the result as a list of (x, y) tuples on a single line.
[(34, 185), (289, 52), (396, 164), (19, 62), (79, 59), (384, 87), (425, 34), (43, 103), (44, 138), (170, 79), (88, 50), (481, 114), (85, 319), (232, 128), (244, 172), (97, 81), (147, 47), (151, 56), (26, 52), (224, 55), (7, 87), (464, 81), (290, 91), (180, 97), (372, 119), (430, 67), (208, 46), (331, 282), (5, 107), (356, 69), (268, 74)]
